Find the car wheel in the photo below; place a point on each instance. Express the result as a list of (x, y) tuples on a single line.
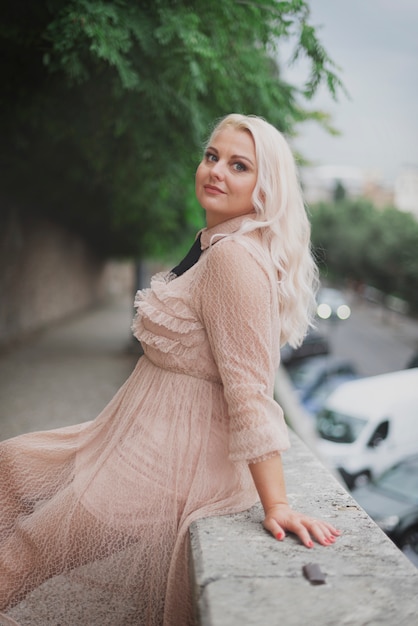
[(408, 543), (355, 480), (361, 480)]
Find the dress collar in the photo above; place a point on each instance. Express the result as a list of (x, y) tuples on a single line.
[(220, 230)]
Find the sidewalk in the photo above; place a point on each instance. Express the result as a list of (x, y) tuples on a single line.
[(63, 376), (69, 372)]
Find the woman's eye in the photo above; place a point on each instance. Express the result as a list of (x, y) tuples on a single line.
[(239, 167), (211, 157)]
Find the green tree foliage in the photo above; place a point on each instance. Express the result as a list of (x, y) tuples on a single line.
[(105, 105), (356, 242), (339, 191)]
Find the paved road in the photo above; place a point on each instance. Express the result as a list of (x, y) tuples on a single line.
[(68, 373), (377, 341)]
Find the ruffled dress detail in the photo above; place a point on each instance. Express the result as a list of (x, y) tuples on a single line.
[(94, 517)]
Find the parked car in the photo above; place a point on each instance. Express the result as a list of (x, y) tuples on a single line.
[(368, 425), (315, 401), (331, 304), (315, 343), (308, 375), (413, 361), (392, 501)]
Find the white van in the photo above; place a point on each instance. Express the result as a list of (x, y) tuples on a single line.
[(369, 424)]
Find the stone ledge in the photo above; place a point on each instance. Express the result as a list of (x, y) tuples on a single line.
[(242, 575)]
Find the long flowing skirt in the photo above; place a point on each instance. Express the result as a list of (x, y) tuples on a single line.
[(94, 517)]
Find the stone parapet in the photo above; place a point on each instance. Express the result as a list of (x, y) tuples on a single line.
[(243, 576)]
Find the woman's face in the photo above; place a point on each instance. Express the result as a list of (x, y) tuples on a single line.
[(226, 177)]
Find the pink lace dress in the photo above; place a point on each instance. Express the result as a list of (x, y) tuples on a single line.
[(94, 517)]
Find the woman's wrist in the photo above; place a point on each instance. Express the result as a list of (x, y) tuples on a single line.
[(268, 509), (269, 481)]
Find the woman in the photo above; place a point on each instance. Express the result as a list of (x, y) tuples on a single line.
[(98, 513)]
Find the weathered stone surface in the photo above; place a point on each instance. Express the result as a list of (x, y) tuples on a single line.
[(242, 575)]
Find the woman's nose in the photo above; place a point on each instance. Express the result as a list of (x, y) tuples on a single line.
[(218, 170)]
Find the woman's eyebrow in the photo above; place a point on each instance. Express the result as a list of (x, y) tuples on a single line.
[(241, 156)]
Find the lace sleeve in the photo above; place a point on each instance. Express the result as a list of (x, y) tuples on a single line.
[(237, 311)]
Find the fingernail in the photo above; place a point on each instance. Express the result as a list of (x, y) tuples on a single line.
[(310, 544), (279, 535)]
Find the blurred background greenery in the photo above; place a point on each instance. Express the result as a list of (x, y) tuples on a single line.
[(106, 105)]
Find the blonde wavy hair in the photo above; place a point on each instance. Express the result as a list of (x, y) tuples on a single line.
[(283, 221)]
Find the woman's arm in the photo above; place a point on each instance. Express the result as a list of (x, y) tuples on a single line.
[(236, 307), (279, 516), (238, 311)]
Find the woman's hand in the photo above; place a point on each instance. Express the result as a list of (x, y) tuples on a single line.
[(280, 518)]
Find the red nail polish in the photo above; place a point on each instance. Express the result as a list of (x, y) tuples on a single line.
[(279, 535), (310, 544)]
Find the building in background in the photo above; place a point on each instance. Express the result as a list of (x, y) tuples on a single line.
[(321, 184), (406, 190)]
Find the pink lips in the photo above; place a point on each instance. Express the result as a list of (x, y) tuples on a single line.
[(213, 189)]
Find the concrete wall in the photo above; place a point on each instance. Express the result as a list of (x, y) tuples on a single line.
[(242, 575), (47, 273)]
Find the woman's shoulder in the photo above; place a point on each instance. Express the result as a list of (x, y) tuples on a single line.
[(240, 250)]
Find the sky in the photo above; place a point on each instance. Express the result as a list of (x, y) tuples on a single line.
[(375, 44)]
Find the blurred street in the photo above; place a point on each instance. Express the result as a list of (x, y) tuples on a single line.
[(375, 340), (67, 373)]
